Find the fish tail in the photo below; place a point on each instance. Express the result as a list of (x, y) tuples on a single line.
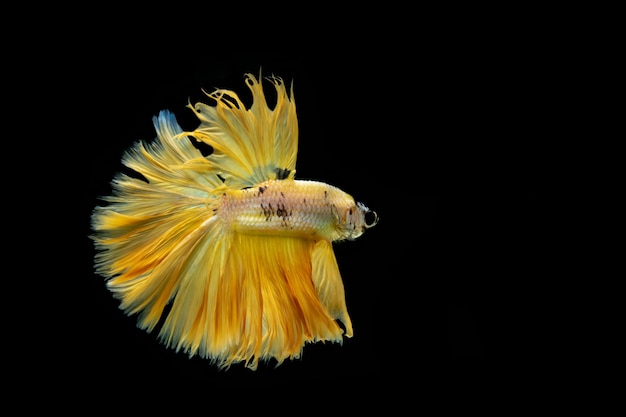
[(145, 236)]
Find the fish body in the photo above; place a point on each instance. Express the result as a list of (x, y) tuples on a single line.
[(228, 254), (297, 208)]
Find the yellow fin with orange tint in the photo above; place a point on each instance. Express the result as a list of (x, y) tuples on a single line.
[(328, 283), (249, 300), (146, 232), (250, 145)]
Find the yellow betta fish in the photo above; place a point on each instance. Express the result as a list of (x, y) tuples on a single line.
[(237, 249)]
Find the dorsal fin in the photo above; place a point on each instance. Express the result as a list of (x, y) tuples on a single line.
[(250, 145)]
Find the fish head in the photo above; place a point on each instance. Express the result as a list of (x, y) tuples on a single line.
[(354, 220)]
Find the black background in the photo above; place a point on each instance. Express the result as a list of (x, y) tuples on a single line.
[(437, 135)]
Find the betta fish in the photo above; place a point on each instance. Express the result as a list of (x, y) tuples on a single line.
[(225, 252)]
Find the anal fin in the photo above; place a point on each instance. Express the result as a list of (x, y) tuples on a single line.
[(278, 310)]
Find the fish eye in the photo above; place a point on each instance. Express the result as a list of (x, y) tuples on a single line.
[(371, 218)]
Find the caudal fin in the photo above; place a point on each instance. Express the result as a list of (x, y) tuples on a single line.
[(147, 225)]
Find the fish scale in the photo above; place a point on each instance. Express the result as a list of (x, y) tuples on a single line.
[(299, 208)]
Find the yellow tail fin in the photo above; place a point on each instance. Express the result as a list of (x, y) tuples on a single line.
[(147, 226)]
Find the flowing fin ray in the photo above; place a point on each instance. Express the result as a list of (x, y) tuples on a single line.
[(244, 299), (250, 145), (329, 284)]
